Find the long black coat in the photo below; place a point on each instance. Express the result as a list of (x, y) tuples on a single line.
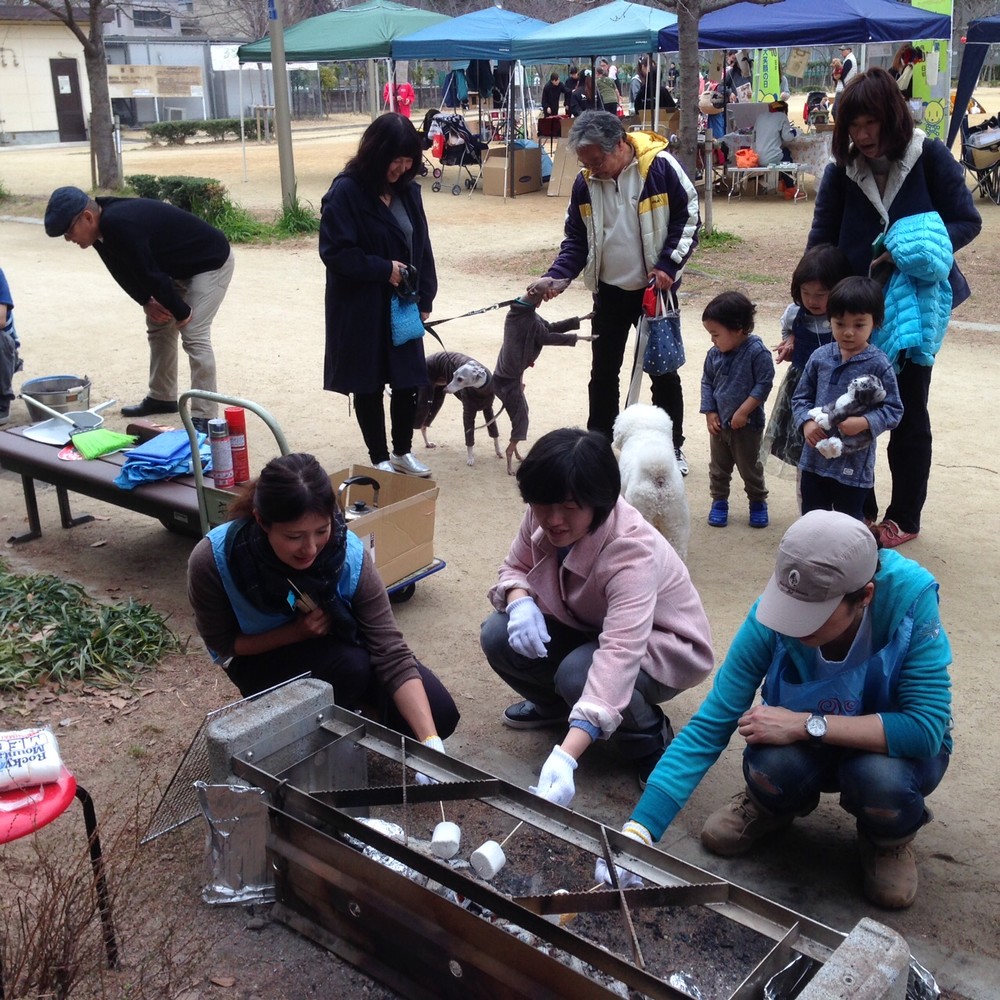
[(358, 241)]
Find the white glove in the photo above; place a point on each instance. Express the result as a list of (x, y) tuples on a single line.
[(435, 743), (526, 629), (626, 879), (555, 782)]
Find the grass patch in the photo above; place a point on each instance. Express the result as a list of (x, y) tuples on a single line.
[(4, 193), (52, 632), (718, 239)]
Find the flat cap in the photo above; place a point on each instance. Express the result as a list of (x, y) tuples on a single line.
[(65, 204)]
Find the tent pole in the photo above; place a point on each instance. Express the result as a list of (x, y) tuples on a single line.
[(243, 128), (656, 101)]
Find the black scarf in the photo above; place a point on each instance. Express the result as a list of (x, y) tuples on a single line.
[(266, 581)]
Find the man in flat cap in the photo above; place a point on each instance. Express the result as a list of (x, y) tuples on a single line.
[(175, 265)]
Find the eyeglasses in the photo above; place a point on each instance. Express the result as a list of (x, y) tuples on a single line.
[(594, 158)]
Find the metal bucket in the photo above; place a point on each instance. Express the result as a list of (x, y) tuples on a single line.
[(61, 393)]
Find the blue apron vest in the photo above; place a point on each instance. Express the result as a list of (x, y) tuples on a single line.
[(862, 689), (252, 620)]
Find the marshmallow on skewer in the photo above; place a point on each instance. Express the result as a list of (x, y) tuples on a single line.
[(446, 840), (488, 859)]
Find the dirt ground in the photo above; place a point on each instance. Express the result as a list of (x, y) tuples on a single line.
[(269, 343)]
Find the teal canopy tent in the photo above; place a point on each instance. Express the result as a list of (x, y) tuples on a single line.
[(362, 32)]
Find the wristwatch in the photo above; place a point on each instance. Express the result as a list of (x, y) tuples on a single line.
[(816, 727)]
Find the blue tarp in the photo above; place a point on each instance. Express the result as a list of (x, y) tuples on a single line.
[(980, 36), (621, 27), (483, 34), (809, 22)]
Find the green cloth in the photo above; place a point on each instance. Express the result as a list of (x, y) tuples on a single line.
[(100, 441)]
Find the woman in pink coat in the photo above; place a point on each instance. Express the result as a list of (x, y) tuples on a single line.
[(597, 621)]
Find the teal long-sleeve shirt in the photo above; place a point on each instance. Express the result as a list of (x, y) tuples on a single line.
[(919, 726)]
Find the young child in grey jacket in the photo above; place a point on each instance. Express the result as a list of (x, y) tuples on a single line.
[(855, 308), (525, 333), (736, 380)]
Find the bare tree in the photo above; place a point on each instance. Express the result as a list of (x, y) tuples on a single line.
[(90, 34)]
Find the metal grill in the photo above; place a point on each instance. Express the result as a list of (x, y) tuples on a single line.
[(379, 903)]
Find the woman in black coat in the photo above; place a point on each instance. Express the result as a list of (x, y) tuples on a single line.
[(373, 226)]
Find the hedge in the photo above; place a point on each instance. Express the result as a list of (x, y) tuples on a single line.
[(203, 196), (175, 133)]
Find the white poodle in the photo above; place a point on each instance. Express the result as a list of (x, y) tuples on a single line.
[(651, 481)]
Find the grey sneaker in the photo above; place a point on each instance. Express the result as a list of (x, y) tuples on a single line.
[(682, 462), (385, 466), (409, 465)]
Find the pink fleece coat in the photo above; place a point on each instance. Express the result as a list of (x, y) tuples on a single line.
[(627, 584)]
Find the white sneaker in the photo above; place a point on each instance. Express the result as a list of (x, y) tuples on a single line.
[(409, 465), (682, 462)]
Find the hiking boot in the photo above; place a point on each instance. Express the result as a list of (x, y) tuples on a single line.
[(718, 516), (890, 872), (682, 462), (758, 514), (736, 827)]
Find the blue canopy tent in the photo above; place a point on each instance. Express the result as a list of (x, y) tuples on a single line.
[(980, 36), (807, 22), (620, 27), (481, 34)]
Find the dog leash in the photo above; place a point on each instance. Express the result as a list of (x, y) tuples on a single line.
[(475, 312)]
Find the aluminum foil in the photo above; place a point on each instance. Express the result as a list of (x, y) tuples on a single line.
[(237, 832), (920, 984), (791, 980)]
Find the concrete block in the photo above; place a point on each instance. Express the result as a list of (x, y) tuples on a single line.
[(872, 964), (242, 727)]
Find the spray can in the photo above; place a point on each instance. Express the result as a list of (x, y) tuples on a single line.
[(236, 419), (222, 455)]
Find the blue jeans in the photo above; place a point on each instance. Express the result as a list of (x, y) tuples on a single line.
[(556, 682), (885, 794)]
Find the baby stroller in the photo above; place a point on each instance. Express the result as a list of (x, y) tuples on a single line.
[(427, 165), (455, 146), (981, 156), (816, 110)]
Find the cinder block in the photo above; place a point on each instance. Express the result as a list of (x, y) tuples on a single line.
[(244, 726), (872, 964)]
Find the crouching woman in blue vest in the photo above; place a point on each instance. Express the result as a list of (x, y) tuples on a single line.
[(284, 588)]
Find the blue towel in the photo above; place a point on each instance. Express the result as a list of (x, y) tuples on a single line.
[(166, 455)]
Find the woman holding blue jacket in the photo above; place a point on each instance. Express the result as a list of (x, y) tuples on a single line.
[(886, 171)]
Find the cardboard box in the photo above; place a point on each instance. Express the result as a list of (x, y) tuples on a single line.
[(399, 530), (527, 170), (670, 121), (565, 167)]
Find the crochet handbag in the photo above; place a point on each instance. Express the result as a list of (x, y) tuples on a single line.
[(664, 346), (404, 312)]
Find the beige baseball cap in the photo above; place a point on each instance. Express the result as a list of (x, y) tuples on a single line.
[(822, 557)]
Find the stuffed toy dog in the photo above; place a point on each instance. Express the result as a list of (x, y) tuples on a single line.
[(863, 395)]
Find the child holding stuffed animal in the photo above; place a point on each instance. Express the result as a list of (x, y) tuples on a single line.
[(804, 327), (736, 380), (525, 333), (855, 307)]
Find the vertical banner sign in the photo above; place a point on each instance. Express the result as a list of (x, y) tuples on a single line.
[(272, 12), (766, 76), (932, 77)]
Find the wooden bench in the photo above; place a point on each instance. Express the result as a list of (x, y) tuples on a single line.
[(173, 502)]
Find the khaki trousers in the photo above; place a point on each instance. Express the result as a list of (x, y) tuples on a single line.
[(204, 294)]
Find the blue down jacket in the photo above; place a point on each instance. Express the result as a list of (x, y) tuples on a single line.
[(918, 297)]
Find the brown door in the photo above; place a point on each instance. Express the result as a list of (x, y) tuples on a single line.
[(69, 102)]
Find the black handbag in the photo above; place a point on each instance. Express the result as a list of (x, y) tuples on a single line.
[(664, 346)]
